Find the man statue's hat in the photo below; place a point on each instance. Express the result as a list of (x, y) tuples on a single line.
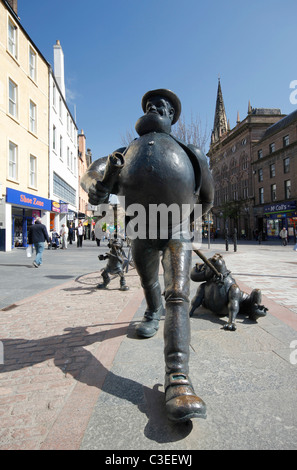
[(169, 95)]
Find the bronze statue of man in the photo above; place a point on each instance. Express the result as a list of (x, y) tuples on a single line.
[(159, 169)]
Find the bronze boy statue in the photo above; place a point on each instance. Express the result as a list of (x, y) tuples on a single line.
[(114, 265), (156, 169)]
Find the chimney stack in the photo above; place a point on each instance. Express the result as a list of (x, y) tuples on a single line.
[(14, 5), (59, 66)]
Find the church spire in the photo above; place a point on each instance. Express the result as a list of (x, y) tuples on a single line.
[(220, 125)]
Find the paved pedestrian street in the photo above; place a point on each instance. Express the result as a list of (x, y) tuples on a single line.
[(75, 376)]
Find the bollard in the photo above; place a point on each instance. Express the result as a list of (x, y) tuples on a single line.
[(226, 239), (235, 239)]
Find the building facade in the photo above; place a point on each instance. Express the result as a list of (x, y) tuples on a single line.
[(231, 162), (274, 162), (24, 83), (63, 148), (38, 136), (85, 211)]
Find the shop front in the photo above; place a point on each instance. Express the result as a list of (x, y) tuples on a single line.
[(25, 208), (280, 215), (61, 214)]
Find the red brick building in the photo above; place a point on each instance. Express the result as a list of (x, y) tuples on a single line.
[(274, 162), (231, 162)]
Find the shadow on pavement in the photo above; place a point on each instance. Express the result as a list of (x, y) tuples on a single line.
[(68, 353)]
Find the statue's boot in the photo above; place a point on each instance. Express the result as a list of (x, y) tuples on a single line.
[(182, 403), (150, 323), (123, 285), (106, 281)]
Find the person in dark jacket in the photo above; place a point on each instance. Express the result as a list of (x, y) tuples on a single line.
[(37, 236)]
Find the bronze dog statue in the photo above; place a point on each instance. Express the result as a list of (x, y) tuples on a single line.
[(221, 294)]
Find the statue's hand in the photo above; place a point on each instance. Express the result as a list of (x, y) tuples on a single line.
[(98, 194)]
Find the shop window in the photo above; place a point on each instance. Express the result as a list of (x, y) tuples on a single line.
[(273, 227)]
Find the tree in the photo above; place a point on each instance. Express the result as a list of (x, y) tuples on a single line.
[(191, 133), (128, 137), (232, 210)]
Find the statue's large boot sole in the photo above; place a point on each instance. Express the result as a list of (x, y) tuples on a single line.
[(182, 404)]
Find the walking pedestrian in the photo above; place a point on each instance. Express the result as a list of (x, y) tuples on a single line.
[(37, 236), (98, 232), (64, 236), (295, 246), (71, 234), (260, 237), (80, 234), (284, 236)]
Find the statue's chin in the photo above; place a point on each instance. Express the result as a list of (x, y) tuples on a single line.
[(152, 123)]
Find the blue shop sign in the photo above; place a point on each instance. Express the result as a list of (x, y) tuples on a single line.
[(29, 200), (280, 207)]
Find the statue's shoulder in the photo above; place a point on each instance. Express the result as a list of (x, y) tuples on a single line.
[(192, 150), (197, 157), (198, 154)]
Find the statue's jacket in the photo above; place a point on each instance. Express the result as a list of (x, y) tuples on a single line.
[(159, 168)]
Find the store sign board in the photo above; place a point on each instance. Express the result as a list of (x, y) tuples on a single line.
[(21, 198), (55, 206), (280, 207), (64, 207)]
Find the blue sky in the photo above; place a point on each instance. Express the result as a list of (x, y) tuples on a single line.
[(116, 50)]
